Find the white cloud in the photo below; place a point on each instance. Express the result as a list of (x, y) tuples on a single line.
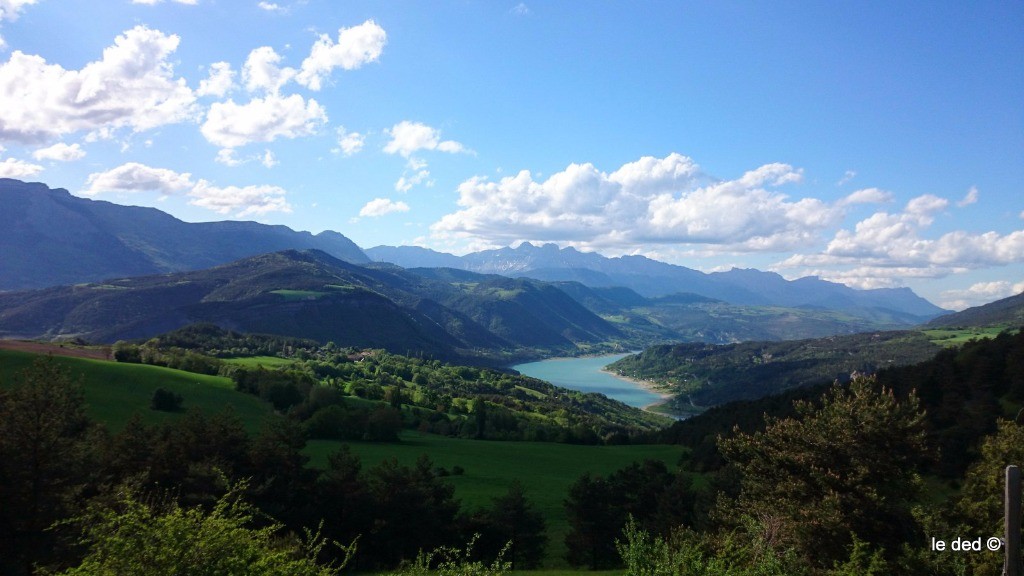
[(381, 206), (243, 201), (970, 198), (404, 183), (847, 176), (220, 82), (350, 143), (132, 86), (135, 177), (261, 71), (355, 47), (228, 157), (980, 293), (230, 125), (520, 9), (268, 160), (271, 6), (154, 2), (867, 196), (60, 152), (650, 201), (12, 168), (408, 137)]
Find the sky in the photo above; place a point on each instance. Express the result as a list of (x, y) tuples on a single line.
[(877, 144)]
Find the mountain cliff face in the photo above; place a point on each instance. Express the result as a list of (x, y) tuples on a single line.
[(651, 278), (49, 237)]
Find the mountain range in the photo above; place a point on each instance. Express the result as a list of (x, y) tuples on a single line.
[(81, 241), (49, 237), (652, 278), (311, 294)]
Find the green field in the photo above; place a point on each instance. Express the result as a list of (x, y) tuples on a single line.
[(115, 391), (949, 337), (546, 470), (264, 361)]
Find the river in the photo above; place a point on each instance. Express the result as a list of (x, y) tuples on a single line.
[(585, 375)]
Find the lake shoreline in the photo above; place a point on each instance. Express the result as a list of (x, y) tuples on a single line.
[(646, 385)]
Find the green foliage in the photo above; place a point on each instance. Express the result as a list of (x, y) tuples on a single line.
[(448, 561), (832, 473), (686, 553), (46, 459), (135, 536)]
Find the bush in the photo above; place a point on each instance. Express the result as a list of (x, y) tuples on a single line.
[(165, 401)]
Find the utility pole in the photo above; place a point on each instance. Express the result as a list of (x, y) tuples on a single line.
[(1011, 523)]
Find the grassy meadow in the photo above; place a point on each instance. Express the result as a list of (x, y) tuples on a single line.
[(545, 469), (115, 391)]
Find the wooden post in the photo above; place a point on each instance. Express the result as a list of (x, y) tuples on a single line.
[(1011, 523)]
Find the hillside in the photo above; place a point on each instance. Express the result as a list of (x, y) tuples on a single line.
[(705, 375), (83, 240), (652, 278), (313, 295), (1008, 312)]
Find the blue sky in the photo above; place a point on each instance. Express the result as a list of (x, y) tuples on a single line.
[(872, 143)]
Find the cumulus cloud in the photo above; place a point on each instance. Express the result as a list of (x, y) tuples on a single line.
[(231, 125), (261, 71), (60, 152), (649, 201), (229, 157), (241, 200), (220, 81), (355, 47), (980, 293), (409, 137), (131, 86), (349, 143), (885, 248), (13, 168), (381, 206), (135, 177), (9, 10)]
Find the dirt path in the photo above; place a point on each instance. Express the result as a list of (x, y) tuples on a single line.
[(98, 353)]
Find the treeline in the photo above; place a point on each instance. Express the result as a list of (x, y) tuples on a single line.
[(710, 374), (344, 393), (56, 464)]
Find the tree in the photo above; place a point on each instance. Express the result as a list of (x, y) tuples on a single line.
[(47, 449), (137, 537), (165, 401), (512, 521), (829, 475)]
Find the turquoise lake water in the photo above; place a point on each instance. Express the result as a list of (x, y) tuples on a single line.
[(585, 375)]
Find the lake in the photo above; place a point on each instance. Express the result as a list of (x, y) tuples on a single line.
[(585, 375)]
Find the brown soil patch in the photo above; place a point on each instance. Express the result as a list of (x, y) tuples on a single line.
[(57, 349)]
